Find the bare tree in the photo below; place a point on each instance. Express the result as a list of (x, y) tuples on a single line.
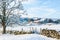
[(7, 8)]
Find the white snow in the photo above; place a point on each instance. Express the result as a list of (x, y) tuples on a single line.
[(24, 37), (29, 36), (37, 28)]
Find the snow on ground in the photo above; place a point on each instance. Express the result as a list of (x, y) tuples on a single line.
[(53, 27), (37, 28), (24, 37), (29, 36)]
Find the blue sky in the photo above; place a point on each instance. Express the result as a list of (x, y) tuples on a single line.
[(43, 8)]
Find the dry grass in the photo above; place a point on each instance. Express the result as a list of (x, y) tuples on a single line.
[(18, 32)]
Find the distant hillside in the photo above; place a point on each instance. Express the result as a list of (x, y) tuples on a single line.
[(17, 19)]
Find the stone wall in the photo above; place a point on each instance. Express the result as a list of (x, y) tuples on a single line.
[(51, 33)]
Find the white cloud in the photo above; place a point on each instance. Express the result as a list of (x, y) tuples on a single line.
[(43, 9), (36, 11), (28, 1)]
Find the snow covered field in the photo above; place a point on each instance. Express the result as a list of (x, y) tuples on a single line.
[(24, 37), (27, 29), (36, 28)]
